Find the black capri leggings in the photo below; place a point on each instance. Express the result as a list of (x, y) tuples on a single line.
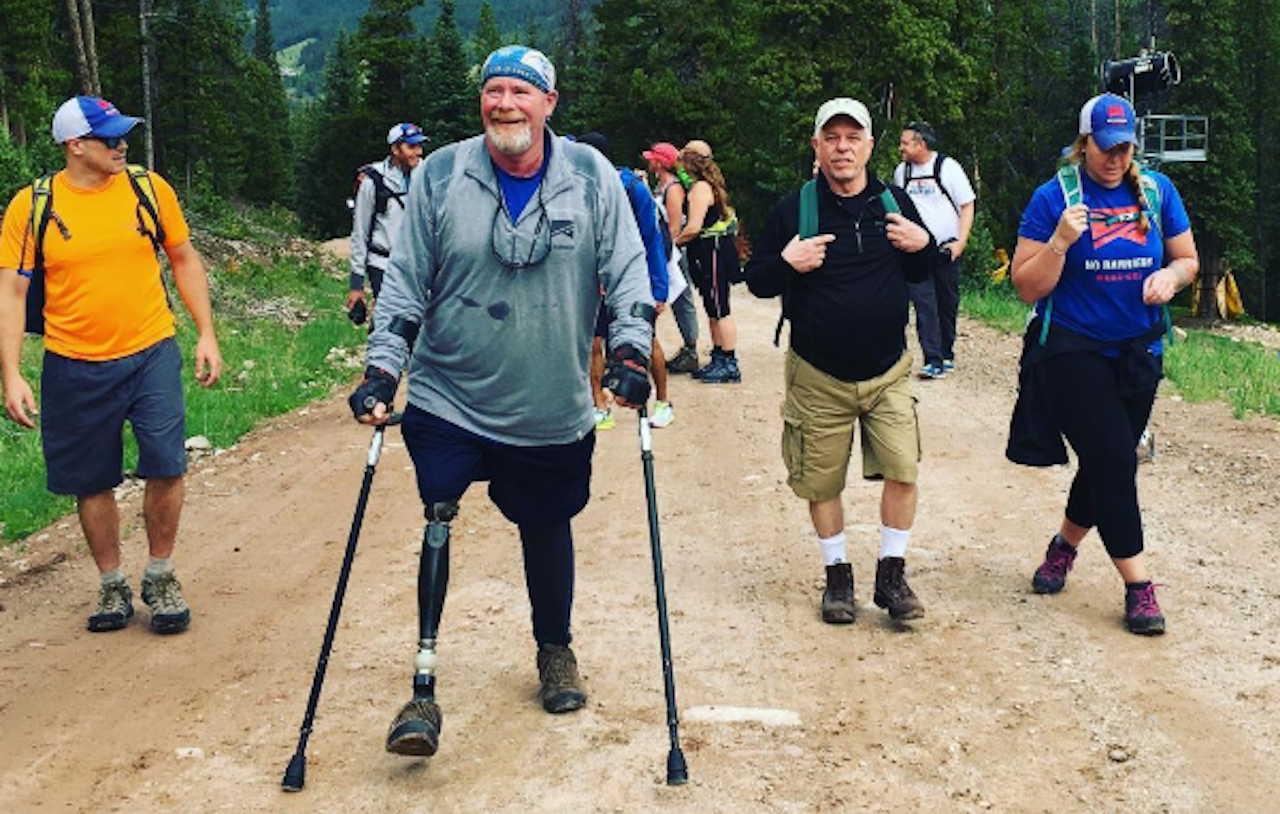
[(1103, 425)]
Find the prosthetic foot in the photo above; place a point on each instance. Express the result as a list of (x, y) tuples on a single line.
[(415, 732)]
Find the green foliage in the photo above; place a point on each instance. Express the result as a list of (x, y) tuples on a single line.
[(1208, 368), (997, 306), (334, 145), (487, 37), (449, 94)]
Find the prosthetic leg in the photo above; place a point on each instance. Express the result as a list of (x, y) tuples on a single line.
[(416, 730)]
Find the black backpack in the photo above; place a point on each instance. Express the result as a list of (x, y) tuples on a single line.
[(934, 175), (382, 198), (42, 213)]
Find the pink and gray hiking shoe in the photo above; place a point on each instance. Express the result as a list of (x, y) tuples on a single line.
[(1051, 576), (1141, 610)]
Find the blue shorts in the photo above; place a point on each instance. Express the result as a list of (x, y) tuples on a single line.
[(84, 407), (530, 485)]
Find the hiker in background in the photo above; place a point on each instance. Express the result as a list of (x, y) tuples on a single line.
[(110, 353), (376, 213), (646, 220), (941, 192), (840, 254), (489, 304), (1101, 249), (709, 232), (669, 192)]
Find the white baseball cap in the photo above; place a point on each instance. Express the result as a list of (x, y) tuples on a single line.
[(842, 106)]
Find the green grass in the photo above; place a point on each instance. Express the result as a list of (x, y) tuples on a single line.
[(1203, 368), (1214, 368), (996, 306), (276, 326)]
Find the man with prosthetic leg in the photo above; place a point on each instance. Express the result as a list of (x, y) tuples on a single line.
[(489, 305)]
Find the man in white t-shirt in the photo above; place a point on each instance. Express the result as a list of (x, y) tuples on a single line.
[(941, 191)]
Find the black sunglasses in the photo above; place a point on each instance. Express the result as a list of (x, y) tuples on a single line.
[(111, 142)]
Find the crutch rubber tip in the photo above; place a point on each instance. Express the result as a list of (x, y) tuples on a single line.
[(677, 771), (295, 777), (416, 730)]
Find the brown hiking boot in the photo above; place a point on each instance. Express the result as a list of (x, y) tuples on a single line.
[(416, 730), (893, 593), (561, 689), (837, 600)]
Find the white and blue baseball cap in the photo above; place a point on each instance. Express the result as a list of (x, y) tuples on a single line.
[(82, 116), (407, 132), (1110, 120)]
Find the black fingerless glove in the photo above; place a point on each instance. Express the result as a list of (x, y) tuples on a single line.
[(378, 386), (625, 381)]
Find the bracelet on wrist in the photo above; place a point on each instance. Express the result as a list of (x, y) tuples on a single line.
[(1053, 247)]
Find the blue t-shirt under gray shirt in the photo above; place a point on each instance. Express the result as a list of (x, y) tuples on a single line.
[(1100, 292), (516, 191)]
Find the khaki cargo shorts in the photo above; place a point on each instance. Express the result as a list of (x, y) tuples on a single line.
[(819, 415)]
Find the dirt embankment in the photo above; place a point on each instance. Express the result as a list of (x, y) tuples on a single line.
[(997, 700)]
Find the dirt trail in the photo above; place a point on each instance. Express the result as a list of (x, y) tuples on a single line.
[(998, 700)]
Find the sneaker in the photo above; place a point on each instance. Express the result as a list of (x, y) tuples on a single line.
[(416, 730), (726, 373), (685, 361), (948, 365), (1141, 610), (170, 613), (893, 593), (605, 419), (837, 600), (561, 689), (115, 608), (1051, 576), (663, 414), (932, 371), (717, 358)]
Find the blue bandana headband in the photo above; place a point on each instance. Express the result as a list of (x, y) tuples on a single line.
[(520, 62)]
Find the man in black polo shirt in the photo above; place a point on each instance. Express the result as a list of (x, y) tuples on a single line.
[(845, 293)]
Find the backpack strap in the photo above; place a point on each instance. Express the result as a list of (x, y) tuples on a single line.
[(889, 202), (148, 204), (808, 210), (938, 161), (41, 214)]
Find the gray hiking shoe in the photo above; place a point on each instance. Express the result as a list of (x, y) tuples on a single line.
[(416, 730), (115, 608), (561, 689), (170, 613)]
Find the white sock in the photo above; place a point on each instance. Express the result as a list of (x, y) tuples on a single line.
[(158, 566), (833, 549), (112, 577), (893, 542)]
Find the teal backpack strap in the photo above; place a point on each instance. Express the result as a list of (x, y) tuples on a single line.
[(1044, 319), (889, 203), (1069, 182), (808, 210)]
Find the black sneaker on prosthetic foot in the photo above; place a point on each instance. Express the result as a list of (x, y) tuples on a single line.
[(561, 689), (838, 607), (893, 593), (416, 730)]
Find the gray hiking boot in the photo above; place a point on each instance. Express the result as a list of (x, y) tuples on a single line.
[(561, 689), (170, 613), (685, 361), (893, 593), (416, 730), (837, 600), (115, 608)]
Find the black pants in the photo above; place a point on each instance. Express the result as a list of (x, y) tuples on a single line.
[(1103, 425), (937, 301)]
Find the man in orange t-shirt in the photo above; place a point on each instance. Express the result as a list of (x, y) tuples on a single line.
[(110, 352)]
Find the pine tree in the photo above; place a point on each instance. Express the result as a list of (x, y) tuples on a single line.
[(387, 47), (449, 110), (267, 175), (487, 37), (336, 144)]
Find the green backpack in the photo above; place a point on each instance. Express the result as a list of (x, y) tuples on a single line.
[(1072, 188), (809, 228)]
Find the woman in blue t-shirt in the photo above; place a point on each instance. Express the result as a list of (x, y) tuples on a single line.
[(1101, 249)]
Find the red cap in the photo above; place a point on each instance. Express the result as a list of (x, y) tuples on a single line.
[(663, 153)]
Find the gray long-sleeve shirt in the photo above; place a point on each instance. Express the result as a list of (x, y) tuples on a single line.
[(504, 351), (371, 249)]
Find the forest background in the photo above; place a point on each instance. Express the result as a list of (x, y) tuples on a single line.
[(274, 105)]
